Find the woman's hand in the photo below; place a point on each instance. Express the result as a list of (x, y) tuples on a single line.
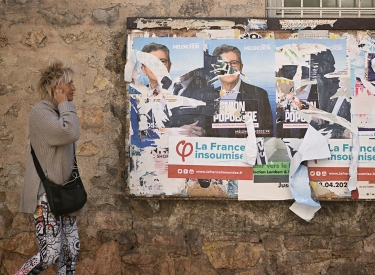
[(59, 96)]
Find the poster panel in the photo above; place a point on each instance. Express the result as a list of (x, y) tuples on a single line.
[(309, 74), (270, 179), (201, 103), (250, 92), (153, 103), (362, 63), (333, 173)]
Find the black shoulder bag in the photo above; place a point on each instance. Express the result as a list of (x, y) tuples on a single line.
[(63, 199)]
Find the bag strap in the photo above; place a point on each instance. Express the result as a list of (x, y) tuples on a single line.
[(39, 168), (37, 165)]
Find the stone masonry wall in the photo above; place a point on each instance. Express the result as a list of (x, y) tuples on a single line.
[(126, 236)]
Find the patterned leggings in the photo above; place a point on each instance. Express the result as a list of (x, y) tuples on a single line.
[(58, 241)]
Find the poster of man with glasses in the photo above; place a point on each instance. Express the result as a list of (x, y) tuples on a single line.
[(248, 90)]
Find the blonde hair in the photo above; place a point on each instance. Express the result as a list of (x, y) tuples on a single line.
[(55, 74)]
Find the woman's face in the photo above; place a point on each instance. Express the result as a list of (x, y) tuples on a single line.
[(68, 89)]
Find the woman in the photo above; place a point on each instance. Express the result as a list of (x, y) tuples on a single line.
[(53, 130)]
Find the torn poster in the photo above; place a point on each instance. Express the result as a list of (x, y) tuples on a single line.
[(362, 62), (157, 65), (248, 91), (271, 173), (333, 172), (199, 100), (306, 75), (276, 169)]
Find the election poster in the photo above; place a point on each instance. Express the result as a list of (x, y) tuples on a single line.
[(333, 173), (362, 62), (247, 93), (159, 63), (191, 100), (309, 75)]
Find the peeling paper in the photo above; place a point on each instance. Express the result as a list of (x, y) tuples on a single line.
[(344, 86), (149, 174), (363, 104), (161, 106), (298, 173), (322, 192), (269, 186), (251, 148), (261, 157), (307, 34), (256, 24), (137, 58), (306, 212), (143, 23), (352, 184), (301, 24), (251, 35), (219, 34)]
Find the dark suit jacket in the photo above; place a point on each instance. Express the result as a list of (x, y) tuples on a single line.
[(256, 99), (185, 115)]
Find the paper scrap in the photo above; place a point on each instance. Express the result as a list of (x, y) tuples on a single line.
[(306, 212), (251, 148)]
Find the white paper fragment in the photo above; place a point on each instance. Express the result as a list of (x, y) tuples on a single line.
[(137, 58), (183, 23), (130, 66), (344, 90), (256, 24), (218, 34), (352, 183), (251, 149), (306, 212), (298, 174), (299, 184), (313, 34), (301, 24), (260, 191), (308, 149), (271, 145)]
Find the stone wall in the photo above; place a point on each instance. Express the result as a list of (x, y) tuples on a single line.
[(126, 236)]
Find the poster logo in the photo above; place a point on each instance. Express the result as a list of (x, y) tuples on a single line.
[(183, 153), (191, 46)]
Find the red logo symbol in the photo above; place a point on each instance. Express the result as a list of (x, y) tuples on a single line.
[(183, 153)]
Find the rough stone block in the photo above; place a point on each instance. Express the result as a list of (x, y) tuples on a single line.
[(272, 243), (231, 255), (108, 259), (296, 243), (347, 247)]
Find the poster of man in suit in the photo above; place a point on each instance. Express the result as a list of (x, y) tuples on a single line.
[(246, 93)]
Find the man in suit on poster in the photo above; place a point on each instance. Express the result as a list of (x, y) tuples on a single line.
[(189, 119), (245, 97)]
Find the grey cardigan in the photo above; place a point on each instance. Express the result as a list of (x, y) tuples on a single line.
[(53, 131)]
